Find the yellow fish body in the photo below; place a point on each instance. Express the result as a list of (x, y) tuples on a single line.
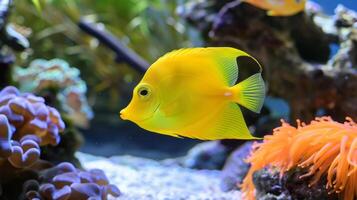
[(192, 93), (279, 7)]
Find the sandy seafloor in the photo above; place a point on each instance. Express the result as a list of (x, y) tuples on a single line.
[(146, 179)]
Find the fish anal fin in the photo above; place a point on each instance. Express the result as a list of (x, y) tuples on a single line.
[(173, 135), (169, 133), (228, 123)]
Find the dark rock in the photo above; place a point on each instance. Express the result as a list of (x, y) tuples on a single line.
[(269, 185), (235, 168), (206, 155), (70, 142)]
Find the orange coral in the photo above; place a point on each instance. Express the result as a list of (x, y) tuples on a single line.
[(324, 147)]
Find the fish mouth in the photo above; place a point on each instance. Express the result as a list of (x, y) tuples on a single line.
[(125, 117), (122, 114)]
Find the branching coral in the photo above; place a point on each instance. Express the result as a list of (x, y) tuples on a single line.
[(324, 147), (56, 75)]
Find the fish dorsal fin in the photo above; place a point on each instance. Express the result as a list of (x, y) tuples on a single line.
[(182, 52), (225, 57), (227, 123), (229, 69)]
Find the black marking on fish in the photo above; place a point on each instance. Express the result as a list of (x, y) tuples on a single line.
[(247, 66)]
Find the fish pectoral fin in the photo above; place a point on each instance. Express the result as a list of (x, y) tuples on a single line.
[(171, 109), (228, 123)]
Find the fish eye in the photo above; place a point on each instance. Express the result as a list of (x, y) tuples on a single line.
[(144, 92)]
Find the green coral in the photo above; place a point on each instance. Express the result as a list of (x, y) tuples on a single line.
[(58, 78)]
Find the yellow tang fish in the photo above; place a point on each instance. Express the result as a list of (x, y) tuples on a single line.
[(192, 93), (279, 7)]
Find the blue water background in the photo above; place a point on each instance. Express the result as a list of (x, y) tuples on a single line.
[(329, 6)]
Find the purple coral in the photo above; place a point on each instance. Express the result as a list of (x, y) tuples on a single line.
[(5, 137), (26, 122), (68, 183), (28, 114), (24, 153)]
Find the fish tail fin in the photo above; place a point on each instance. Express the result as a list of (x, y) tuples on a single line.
[(250, 93)]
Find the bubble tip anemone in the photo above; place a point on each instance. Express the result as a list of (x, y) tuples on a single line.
[(324, 147)]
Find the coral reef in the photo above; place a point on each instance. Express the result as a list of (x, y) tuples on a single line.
[(66, 182), (293, 50), (60, 80), (26, 125), (27, 115), (325, 149), (63, 88)]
